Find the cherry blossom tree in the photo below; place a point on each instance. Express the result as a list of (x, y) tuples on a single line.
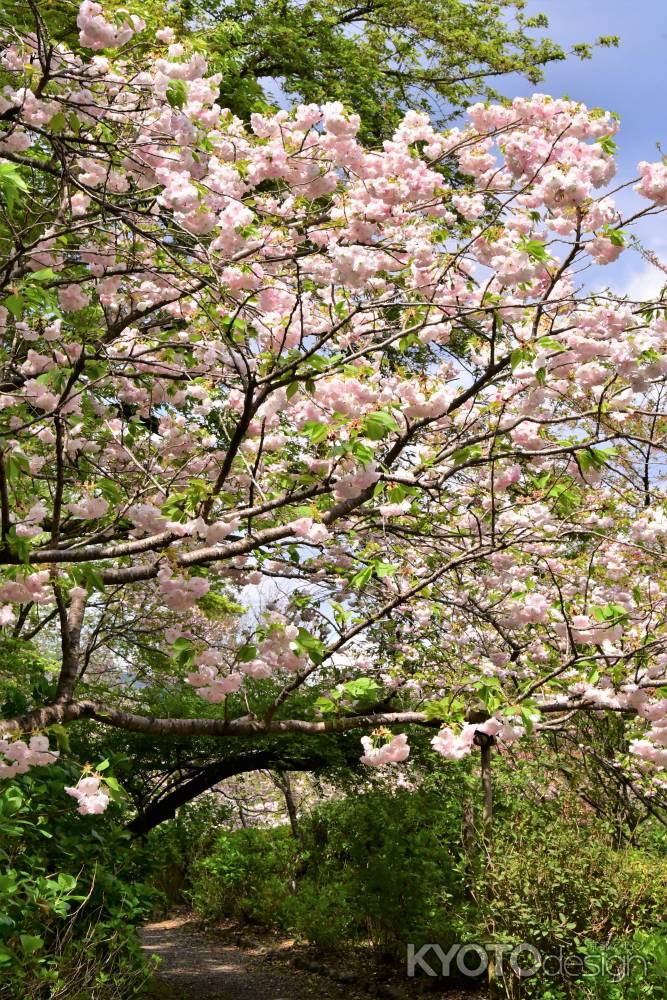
[(380, 395)]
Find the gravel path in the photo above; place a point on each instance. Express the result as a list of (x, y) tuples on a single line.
[(221, 964), (203, 966)]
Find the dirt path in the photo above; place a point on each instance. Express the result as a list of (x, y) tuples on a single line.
[(206, 966), (224, 964)]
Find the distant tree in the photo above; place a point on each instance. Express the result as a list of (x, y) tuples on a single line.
[(379, 57)]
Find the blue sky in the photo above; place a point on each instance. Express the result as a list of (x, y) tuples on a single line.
[(631, 80)]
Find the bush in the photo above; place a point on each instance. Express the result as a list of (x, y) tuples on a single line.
[(375, 869), (382, 869), (635, 969), (172, 849), (68, 905), (551, 883), (556, 882), (246, 876)]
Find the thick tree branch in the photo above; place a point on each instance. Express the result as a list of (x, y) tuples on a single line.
[(165, 808)]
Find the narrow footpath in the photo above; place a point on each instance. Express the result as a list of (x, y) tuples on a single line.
[(198, 965), (222, 964)]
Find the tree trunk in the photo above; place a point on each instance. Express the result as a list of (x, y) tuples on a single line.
[(283, 782), (165, 807)]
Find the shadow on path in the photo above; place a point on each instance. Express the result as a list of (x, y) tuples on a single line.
[(201, 966)]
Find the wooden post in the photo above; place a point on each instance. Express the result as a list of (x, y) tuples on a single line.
[(486, 744), (486, 751)]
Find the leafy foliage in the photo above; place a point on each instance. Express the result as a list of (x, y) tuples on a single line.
[(377, 57), (69, 898)]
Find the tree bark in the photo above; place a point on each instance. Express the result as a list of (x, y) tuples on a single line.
[(282, 779), (165, 808)]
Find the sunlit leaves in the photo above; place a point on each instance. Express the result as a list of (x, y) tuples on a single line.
[(12, 185)]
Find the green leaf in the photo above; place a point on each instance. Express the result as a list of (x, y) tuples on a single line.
[(66, 882), (437, 709), (535, 249), (22, 547), (551, 343), (315, 431), (247, 653), (362, 452), (377, 425), (11, 184), (609, 613), (519, 355), (11, 801), (325, 706), (528, 723), (615, 236), (310, 644), (594, 458), (110, 490), (362, 689), (57, 123), (181, 643), (44, 274), (92, 578), (469, 453), (30, 943), (397, 494), (16, 466), (177, 93), (608, 144), (361, 578), (61, 735), (15, 305), (8, 884)]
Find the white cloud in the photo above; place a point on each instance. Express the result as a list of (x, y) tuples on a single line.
[(644, 284)]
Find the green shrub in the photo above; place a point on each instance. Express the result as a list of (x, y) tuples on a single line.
[(172, 849), (557, 883), (246, 876), (551, 883), (635, 969), (382, 869), (68, 905), (377, 868)]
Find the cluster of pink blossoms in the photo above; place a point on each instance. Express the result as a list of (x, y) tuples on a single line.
[(91, 795), (277, 651), (17, 756), (181, 593), (394, 752), (98, 33), (653, 183), (653, 747), (456, 746), (210, 684)]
